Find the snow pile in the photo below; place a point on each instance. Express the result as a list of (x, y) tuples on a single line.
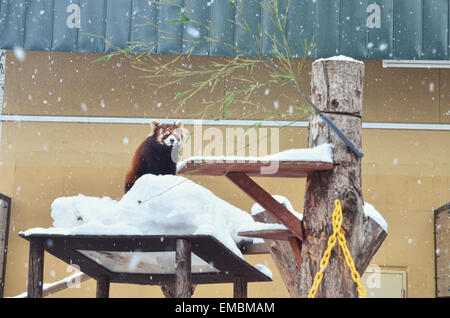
[(371, 212), (156, 205), (321, 153), (339, 58), (256, 208)]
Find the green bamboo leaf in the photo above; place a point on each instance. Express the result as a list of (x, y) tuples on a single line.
[(128, 49), (285, 82), (180, 95), (255, 125), (230, 100), (183, 19), (283, 76), (275, 7), (104, 58), (197, 77), (93, 35), (305, 44)]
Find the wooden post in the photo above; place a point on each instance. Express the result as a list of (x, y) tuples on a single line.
[(183, 269), (239, 287), (283, 256), (36, 268), (103, 284), (337, 90)]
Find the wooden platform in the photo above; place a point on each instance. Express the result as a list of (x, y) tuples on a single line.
[(107, 258), (281, 169), (240, 173)]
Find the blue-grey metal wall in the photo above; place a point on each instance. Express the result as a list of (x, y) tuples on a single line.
[(364, 29)]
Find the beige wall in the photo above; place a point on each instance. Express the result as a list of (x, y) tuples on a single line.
[(405, 173)]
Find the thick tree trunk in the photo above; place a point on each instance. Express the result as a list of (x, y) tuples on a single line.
[(337, 90)]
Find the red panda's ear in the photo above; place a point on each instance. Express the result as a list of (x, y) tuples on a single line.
[(155, 124), (179, 124)]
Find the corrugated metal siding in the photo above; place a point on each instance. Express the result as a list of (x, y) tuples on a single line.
[(404, 29)]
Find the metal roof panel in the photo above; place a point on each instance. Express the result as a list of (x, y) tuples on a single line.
[(376, 29)]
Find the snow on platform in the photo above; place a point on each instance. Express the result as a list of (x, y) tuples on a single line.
[(292, 163), (156, 205)]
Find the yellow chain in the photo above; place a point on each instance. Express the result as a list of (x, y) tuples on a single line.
[(337, 236)]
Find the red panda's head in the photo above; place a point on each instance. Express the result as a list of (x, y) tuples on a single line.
[(170, 135)]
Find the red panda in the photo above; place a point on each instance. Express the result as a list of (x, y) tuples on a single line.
[(157, 154)]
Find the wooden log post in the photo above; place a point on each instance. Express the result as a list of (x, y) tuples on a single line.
[(337, 90), (36, 268), (183, 269), (239, 287), (103, 284)]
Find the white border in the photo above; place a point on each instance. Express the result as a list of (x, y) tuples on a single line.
[(267, 123)]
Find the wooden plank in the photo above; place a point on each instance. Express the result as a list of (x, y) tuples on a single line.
[(283, 215), (285, 169), (282, 235), (168, 279), (256, 248), (183, 269), (36, 269)]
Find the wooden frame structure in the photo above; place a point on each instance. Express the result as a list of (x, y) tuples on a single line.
[(230, 268), (239, 173)]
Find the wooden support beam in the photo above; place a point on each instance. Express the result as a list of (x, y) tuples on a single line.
[(239, 287), (296, 246), (254, 248), (36, 268), (282, 235), (252, 189), (103, 283), (183, 269)]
